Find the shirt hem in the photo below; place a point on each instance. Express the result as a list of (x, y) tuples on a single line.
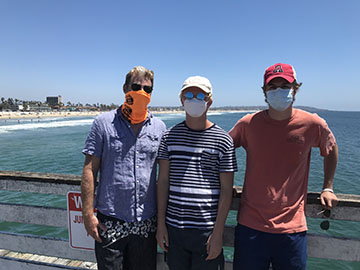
[(275, 231)]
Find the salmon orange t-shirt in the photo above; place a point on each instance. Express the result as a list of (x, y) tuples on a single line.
[(277, 168)]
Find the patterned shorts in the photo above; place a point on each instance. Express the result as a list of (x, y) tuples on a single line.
[(118, 229)]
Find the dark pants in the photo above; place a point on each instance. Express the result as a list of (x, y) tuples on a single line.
[(187, 250), (255, 250), (133, 252)]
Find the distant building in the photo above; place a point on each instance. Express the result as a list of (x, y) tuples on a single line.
[(16, 107), (53, 101), (39, 107)]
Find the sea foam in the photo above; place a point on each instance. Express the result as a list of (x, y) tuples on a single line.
[(47, 124)]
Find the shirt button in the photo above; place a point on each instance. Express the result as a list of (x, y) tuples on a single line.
[(137, 166)]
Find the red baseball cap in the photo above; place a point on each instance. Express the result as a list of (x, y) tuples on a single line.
[(285, 71)]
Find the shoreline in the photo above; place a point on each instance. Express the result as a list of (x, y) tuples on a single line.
[(39, 115)]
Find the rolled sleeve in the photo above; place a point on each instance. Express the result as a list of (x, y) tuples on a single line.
[(94, 141)]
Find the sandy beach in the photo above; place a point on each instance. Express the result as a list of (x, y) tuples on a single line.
[(36, 115)]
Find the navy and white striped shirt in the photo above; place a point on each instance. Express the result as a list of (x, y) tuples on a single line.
[(196, 160)]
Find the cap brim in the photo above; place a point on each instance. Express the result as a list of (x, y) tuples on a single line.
[(289, 78)]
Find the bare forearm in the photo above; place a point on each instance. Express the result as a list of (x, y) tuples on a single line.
[(87, 192), (223, 210), (330, 163), (215, 241), (163, 193), (224, 202), (88, 179), (162, 190)]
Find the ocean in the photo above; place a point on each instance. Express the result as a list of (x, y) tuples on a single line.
[(54, 145)]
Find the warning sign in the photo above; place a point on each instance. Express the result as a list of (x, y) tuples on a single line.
[(78, 237)]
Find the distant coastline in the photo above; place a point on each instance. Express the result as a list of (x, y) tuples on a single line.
[(14, 115), (39, 115)]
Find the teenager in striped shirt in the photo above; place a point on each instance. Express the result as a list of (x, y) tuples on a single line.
[(197, 164)]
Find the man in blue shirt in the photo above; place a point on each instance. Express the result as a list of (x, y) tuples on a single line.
[(122, 146)]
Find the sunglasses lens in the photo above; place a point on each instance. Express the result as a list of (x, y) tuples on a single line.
[(325, 225), (148, 89), (200, 96), (189, 95), (135, 87), (327, 213)]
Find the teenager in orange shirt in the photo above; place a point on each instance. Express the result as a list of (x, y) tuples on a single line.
[(271, 219)]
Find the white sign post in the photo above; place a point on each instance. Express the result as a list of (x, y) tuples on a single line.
[(78, 237)]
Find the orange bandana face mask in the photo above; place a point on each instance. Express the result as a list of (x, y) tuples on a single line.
[(135, 106)]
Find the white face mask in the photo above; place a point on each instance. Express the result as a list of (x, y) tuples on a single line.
[(280, 99), (195, 107)]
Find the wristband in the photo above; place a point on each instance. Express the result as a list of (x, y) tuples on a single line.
[(327, 189)]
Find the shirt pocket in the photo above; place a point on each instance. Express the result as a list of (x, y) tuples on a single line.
[(117, 144), (149, 143), (209, 160), (297, 149)]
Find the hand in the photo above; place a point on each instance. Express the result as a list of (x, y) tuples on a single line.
[(214, 246), (91, 224), (162, 237), (328, 199)]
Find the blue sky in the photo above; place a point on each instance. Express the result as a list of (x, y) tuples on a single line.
[(82, 49)]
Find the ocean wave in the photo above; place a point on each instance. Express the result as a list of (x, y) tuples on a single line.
[(167, 116), (216, 113), (51, 124)]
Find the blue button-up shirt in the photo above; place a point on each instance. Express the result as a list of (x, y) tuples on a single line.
[(127, 184)]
